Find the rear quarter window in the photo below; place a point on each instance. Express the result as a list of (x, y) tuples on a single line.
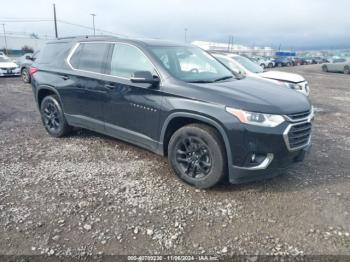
[(53, 53), (90, 57)]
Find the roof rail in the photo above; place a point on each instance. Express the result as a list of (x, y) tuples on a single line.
[(83, 36)]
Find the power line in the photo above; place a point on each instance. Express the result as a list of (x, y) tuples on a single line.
[(15, 20), (89, 27), (26, 21)]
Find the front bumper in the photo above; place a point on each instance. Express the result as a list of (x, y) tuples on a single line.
[(269, 149), (13, 72), (242, 175)]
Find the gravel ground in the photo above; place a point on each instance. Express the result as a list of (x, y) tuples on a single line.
[(92, 194)]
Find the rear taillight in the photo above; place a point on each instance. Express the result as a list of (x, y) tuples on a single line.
[(32, 70)]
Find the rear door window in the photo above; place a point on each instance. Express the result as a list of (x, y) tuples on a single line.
[(90, 57)]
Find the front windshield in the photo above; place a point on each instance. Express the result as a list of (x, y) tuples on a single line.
[(4, 59), (191, 64), (249, 65)]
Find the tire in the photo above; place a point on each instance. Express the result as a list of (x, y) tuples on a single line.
[(346, 70), (270, 65), (25, 75), (197, 155), (263, 66), (53, 117), (279, 64), (324, 68), (288, 64)]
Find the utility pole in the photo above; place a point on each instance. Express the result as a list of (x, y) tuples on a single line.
[(185, 35), (3, 27), (55, 20), (93, 22)]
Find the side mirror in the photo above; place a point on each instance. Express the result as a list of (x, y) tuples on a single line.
[(144, 77), (238, 71), (28, 57)]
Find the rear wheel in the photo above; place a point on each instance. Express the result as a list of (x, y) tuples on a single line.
[(279, 64), (346, 70), (25, 75), (270, 65), (263, 66), (324, 68), (197, 155), (53, 117)]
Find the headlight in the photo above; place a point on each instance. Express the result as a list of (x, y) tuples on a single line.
[(295, 86), (254, 118)]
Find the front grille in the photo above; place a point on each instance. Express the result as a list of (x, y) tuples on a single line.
[(299, 116), (299, 135), (8, 68)]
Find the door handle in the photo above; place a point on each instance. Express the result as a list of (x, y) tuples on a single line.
[(109, 86), (65, 77)]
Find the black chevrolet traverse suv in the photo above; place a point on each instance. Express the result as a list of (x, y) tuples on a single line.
[(175, 100)]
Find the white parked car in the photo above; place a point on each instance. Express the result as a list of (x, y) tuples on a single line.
[(8, 68), (244, 66), (338, 65), (264, 62), (2, 54)]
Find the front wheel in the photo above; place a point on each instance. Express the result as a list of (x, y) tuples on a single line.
[(53, 117), (346, 70), (324, 68), (197, 155), (263, 66)]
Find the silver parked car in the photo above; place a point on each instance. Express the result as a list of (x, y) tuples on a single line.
[(338, 65)]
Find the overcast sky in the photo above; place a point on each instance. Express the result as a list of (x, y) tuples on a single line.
[(297, 24)]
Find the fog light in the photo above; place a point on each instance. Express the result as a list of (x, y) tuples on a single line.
[(256, 159)]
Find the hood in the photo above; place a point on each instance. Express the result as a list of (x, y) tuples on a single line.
[(251, 94), (282, 76), (8, 65)]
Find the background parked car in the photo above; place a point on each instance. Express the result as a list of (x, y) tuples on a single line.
[(243, 66), (264, 62), (2, 54), (317, 60), (25, 62), (338, 65), (296, 61), (8, 68), (283, 61)]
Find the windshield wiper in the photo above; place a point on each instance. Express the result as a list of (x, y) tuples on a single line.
[(222, 78)]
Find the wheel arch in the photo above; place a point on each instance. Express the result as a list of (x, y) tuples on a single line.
[(179, 119), (44, 91)]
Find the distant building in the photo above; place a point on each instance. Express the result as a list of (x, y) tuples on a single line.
[(15, 43), (235, 48)]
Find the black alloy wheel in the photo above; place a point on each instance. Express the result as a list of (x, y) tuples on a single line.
[(53, 117), (193, 157), (197, 154)]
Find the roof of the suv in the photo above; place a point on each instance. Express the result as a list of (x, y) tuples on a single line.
[(104, 38)]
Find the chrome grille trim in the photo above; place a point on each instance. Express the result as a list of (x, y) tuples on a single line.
[(305, 141)]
